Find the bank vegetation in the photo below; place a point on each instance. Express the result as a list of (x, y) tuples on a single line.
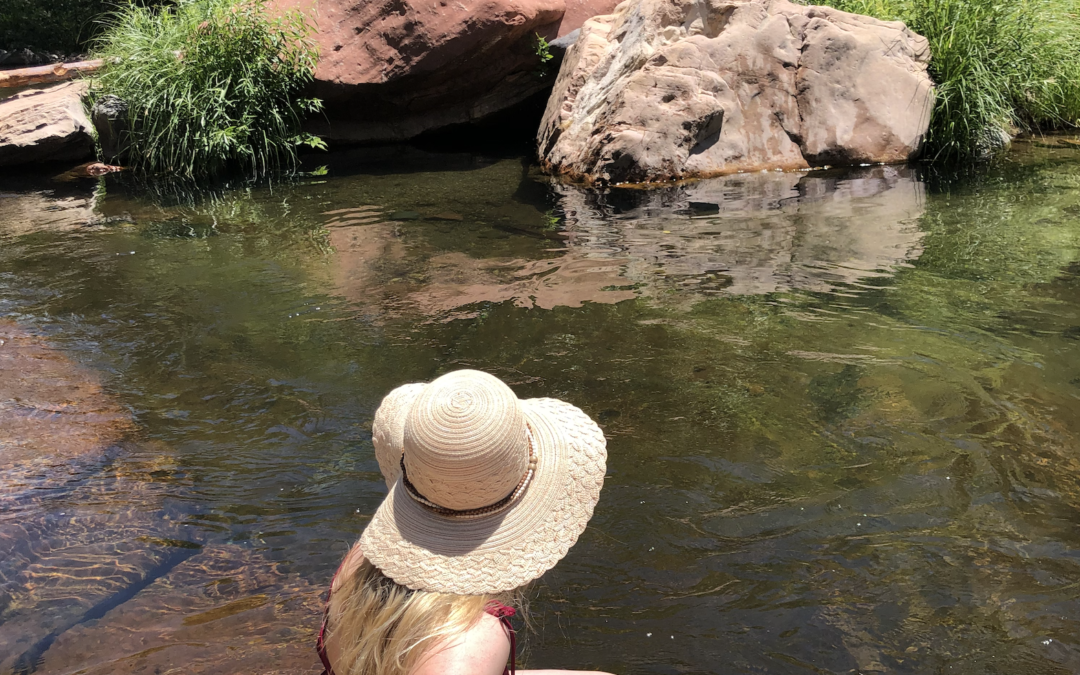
[(207, 86), (999, 66), (216, 86)]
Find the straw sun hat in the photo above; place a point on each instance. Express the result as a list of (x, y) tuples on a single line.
[(487, 492)]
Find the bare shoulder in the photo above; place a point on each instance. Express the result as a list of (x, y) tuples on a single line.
[(482, 650), (352, 560)]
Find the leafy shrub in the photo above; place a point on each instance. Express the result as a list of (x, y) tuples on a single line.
[(543, 52), (210, 86), (998, 65)]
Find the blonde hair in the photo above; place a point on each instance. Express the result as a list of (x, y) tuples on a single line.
[(383, 628)]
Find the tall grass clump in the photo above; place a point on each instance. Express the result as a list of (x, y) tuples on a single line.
[(999, 66), (210, 86), (979, 54)]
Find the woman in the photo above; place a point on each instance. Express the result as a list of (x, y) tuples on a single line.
[(487, 492)]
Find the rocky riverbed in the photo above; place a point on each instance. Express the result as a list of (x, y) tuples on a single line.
[(88, 555)]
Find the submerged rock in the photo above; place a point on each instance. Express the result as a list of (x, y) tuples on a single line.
[(87, 170), (45, 125), (670, 89), (51, 409), (99, 572), (391, 70)]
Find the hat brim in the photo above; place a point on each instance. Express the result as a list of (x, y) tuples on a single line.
[(423, 550)]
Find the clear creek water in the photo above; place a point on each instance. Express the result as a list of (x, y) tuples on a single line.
[(842, 409)]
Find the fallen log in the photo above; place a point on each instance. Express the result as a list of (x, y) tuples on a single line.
[(57, 72)]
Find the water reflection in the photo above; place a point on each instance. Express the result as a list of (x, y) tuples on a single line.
[(55, 210), (746, 234), (374, 266), (755, 233)]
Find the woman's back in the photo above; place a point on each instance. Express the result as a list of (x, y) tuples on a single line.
[(483, 649), (482, 644)]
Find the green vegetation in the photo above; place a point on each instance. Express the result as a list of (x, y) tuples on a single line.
[(211, 85), (58, 26), (999, 65), (543, 51)]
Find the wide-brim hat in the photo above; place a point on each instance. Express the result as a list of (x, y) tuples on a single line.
[(487, 491)]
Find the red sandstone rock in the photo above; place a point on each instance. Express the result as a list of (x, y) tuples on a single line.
[(393, 69)]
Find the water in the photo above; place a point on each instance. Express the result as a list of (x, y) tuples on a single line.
[(841, 409)]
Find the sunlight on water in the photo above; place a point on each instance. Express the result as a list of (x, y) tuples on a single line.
[(843, 408)]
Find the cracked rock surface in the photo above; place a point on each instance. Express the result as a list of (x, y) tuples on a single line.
[(670, 89), (45, 125)]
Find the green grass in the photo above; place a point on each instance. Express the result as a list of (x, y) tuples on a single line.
[(212, 86), (999, 66)]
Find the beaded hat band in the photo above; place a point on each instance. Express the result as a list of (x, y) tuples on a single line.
[(483, 510)]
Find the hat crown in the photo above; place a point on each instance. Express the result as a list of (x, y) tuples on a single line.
[(465, 444)]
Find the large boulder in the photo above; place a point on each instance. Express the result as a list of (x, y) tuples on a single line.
[(671, 89), (393, 69), (45, 125)]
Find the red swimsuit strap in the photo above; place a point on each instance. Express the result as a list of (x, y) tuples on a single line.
[(503, 613), (320, 644)]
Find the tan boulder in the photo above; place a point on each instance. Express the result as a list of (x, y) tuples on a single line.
[(670, 89), (393, 69), (45, 125)]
